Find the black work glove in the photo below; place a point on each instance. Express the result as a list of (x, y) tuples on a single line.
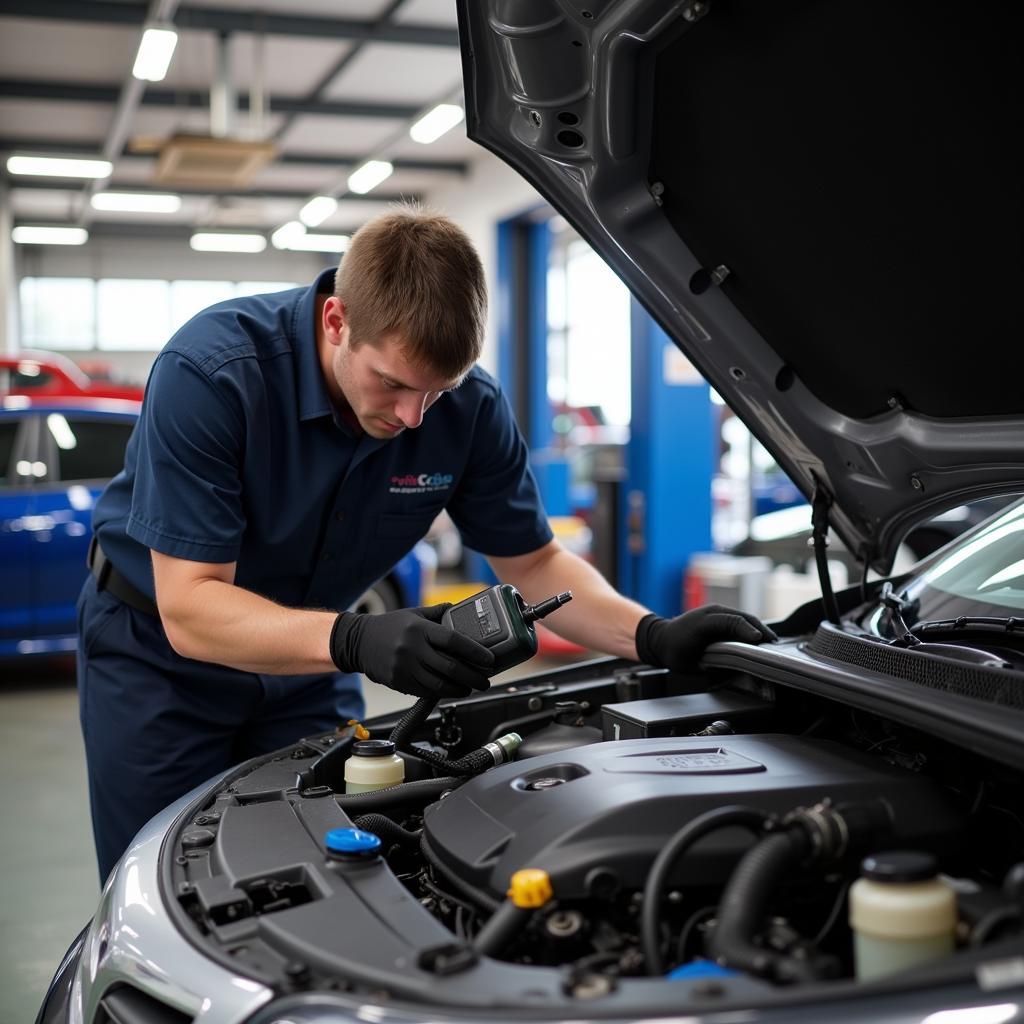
[(679, 643), (410, 651)]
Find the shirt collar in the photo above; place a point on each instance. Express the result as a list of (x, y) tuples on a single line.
[(314, 400)]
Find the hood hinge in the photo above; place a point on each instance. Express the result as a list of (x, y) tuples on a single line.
[(820, 506)]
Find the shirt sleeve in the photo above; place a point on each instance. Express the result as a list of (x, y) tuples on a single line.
[(187, 494), (496, 505)]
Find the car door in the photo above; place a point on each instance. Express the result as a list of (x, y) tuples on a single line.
[(82, 451), (17, 617)]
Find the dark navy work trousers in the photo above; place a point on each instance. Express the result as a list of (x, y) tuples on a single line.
[(156, 724)]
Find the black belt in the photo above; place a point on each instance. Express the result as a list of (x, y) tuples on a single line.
[(109, 579)]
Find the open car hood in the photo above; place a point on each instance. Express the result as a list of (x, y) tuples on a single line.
[(820, 204)]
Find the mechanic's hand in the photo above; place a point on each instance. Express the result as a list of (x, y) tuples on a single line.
[(679, 643), (410, 651)]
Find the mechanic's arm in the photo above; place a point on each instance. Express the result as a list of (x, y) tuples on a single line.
[(208, 618), (602, 619), (598, 616)]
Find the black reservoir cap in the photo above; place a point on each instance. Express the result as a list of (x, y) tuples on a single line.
[(373, 748), (900, 866)]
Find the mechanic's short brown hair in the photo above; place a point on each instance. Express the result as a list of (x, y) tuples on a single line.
[(415, 272)]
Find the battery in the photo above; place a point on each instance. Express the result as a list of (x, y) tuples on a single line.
[(678, 716)]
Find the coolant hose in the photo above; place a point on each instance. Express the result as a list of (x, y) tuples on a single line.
[(392, 796), (745, 901), (387, 829), (473, 763), (505, 922), (721, 817)]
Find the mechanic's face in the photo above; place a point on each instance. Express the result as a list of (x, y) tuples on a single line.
[(385, 391)]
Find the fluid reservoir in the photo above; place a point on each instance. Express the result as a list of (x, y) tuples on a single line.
[(373, 765), (902, 914)]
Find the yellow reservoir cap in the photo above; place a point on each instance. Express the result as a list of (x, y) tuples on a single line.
[(361, 732), (530, 888)]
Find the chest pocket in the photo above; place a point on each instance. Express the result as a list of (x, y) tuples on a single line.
[(394, 536)]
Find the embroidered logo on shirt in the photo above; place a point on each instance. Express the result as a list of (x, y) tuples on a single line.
[(420, 483)]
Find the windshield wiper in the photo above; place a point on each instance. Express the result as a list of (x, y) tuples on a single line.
[(979, 623), (910, 637), (898, 605)]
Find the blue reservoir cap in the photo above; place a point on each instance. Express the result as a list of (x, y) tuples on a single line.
[(700, 969), (351, 842)]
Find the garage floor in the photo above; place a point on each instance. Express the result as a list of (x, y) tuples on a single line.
[(48, 877)]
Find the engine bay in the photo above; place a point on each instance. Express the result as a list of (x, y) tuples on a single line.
[(644, 839)]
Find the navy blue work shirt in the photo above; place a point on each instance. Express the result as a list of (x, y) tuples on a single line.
[(239, 456)]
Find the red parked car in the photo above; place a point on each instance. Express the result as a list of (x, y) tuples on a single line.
[(48, 375)]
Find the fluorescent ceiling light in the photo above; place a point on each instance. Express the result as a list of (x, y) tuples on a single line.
[(137, 202), (294, 236), (367, 177), (320, 243), (287, 234), (214, 241), (155, 51), (317, 210), (432, 125), (28, 235), (59, 166)]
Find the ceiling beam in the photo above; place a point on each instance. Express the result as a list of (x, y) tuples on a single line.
[(400, 163), (196, 99), (318, 90), (292, 159), (215, 19)]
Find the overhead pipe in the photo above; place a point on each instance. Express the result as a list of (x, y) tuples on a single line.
[(223, 98)]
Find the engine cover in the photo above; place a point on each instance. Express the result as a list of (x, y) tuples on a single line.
[(614, 805)]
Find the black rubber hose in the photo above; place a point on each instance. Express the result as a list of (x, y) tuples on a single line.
[(392, 796), (411, 721), (387, 829), (473, 763), (483, 900), (721, 817), (745, 901), (505, 922)]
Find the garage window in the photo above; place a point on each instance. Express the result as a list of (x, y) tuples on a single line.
[(58, 312), (118, 314), (132, 314)]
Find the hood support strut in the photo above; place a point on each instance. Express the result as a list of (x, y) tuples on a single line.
[(819, 537)]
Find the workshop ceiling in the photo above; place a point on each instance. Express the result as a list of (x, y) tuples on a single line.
[(339, 81)]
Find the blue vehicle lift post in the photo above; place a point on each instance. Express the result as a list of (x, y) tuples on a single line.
[(666, 501)]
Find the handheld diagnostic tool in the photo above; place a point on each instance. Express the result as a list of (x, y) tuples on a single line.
[(500, 620)]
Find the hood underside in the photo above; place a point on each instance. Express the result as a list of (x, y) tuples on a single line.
[(819, 202)]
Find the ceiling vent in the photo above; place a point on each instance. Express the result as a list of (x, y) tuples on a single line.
[(202, 161)]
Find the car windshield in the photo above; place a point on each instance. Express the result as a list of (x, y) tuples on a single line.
[(982, 575)]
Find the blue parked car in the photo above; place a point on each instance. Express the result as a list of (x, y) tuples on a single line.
[(56, 456)]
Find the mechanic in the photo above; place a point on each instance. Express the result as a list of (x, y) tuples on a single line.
[(291, 448)]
